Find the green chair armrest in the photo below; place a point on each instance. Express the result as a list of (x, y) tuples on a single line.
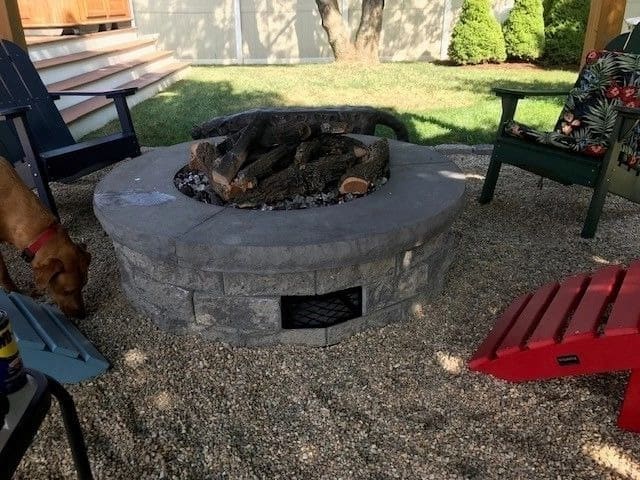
[(521, 93)]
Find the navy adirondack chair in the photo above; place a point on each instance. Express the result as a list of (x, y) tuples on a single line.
[(596, 141), (35, 138)]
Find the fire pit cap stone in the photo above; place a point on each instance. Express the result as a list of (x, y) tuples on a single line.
[(139, 206)]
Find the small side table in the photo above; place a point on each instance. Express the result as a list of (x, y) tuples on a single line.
[(27, 409)]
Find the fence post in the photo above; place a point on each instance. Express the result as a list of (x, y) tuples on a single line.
[(446, 29), (237, 20)]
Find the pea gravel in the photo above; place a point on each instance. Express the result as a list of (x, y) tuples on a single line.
[(397, 402)]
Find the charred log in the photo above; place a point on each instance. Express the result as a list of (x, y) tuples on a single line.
[(342, 119), (267, 162), (361, 176), (203, 155), (263, 166)]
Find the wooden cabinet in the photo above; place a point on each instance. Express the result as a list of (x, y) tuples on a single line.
[(67, 13)]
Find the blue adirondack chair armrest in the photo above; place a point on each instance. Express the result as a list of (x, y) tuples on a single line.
[(13, 112), (119, 99), (122, 92)]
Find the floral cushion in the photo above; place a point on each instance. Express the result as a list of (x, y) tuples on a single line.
[(587, 119)]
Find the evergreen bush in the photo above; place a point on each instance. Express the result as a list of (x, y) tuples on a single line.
[(565, 30), (524, 30), (477, 36), (546, 5)]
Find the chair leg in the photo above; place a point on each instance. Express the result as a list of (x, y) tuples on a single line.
[(595, 209), (31, 159), (490, 181), (45, 195), (629, 417), (72, 426)]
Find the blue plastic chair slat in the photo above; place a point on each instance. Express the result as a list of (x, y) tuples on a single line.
[(37, 326), (85, 348), (55, 339), (24, 332)]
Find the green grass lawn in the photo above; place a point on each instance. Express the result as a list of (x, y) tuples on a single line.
[(439, 104)]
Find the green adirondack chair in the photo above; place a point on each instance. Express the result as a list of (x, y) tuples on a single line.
[(34, 137), (596, 141)]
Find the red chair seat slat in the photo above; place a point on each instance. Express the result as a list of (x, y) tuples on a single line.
[(551, 323), (625, 313), (527, 320), (486, 351), (539, 318), (585, 320)]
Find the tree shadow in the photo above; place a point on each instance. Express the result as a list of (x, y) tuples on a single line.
[(167, 118)]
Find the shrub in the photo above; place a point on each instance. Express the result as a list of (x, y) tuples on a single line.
[(546, 5), (477, 37), (524, 30), (564, 34)]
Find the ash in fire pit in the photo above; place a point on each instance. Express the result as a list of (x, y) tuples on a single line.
[(284, 165)]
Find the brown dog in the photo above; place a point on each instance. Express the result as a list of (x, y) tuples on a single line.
[(59, 266)]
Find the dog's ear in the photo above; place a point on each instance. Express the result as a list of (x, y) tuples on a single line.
[(45, 271)]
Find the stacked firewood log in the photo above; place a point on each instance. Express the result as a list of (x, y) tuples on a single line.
[(265, 162)]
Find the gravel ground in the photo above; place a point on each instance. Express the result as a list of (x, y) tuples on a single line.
[(392, 403)]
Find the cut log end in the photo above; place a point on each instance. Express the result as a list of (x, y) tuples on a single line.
[(358, 186)]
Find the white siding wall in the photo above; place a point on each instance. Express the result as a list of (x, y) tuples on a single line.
[(288, 31), (632, 10)]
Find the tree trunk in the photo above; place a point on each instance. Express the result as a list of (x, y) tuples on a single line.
[(368, 36), (365, 47), (337, 33)]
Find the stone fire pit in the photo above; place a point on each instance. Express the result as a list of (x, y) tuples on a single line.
[(311, 276)]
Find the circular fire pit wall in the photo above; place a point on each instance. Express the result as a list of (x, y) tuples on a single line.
[(311, 276)]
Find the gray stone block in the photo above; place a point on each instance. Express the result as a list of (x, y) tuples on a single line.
[(342, 331), (169, 307), (232, 336), (440, 262), (420, 254), (242, 313), (411, 281), (391, 314), (334, 279), (379, 294), (296, 283), (169, 272)]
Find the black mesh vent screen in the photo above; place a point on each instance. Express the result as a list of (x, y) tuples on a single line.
[(318, 311)]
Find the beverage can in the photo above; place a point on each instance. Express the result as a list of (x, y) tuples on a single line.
[(12, 373)]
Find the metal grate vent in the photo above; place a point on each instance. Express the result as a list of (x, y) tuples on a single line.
[(318, 311)]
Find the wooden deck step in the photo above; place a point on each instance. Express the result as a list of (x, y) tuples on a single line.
[(86, 78), (80, 56), (81, 109), (46, 39)]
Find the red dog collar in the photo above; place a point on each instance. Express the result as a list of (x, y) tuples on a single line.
[(30, 252)]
